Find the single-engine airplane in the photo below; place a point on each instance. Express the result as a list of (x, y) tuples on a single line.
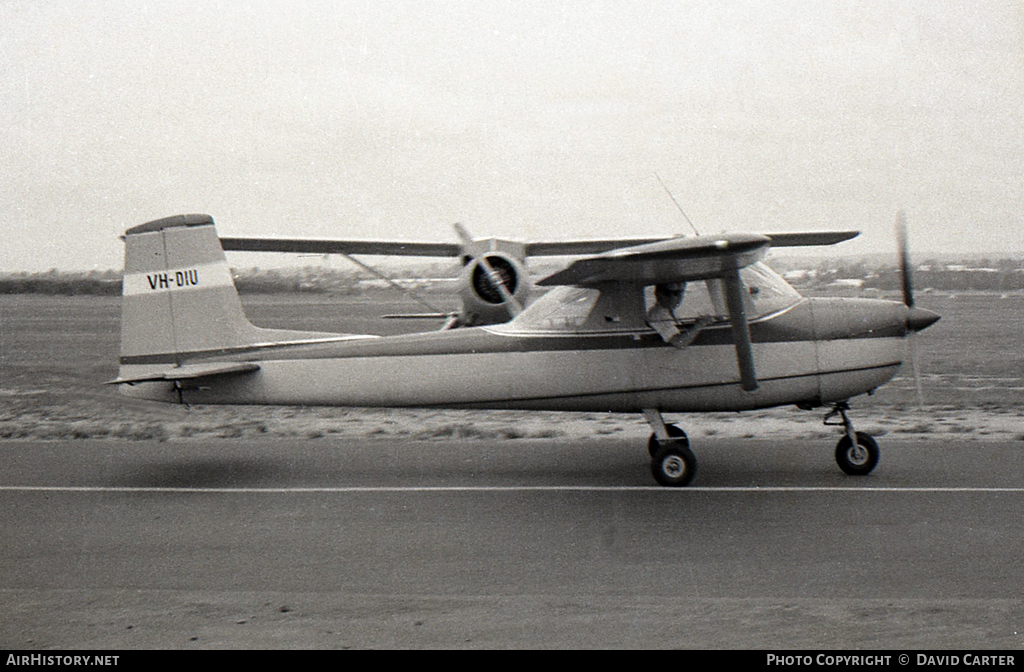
[(585, 345)]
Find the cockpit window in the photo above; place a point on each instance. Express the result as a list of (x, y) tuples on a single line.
[(764, 292), (568, 308)]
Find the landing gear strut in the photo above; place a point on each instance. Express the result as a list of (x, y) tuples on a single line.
[(857, 452), (675, 434), (672, 462)]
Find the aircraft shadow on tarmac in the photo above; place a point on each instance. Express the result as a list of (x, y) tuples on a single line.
[(228, 472), (725, 463)]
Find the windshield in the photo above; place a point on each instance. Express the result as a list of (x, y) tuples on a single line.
[(767, 290)]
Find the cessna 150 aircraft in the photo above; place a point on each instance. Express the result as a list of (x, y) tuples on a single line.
[(585, 345)]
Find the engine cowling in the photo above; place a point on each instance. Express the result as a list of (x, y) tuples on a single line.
[(482, 301)]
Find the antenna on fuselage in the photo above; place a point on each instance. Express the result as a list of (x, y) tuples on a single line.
[(677, 204)]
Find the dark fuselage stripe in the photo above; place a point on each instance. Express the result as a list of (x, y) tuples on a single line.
[(482, 342), (702, 386)]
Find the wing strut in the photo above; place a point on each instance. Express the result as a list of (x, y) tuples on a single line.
[(740, 328), (438, 313)]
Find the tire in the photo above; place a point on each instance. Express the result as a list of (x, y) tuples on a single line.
[(859, 460), (674, 466), (678, 438)]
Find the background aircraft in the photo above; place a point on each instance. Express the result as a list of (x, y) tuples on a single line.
[(494, 284), (583, 346)]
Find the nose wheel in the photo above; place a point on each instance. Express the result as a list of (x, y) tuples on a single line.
[(857, 452), (857, 459)]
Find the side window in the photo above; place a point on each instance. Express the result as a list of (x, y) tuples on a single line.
[(764, 292), (698, 299), (561, 309)]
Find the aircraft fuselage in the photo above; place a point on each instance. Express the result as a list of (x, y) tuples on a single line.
[(814, 352)]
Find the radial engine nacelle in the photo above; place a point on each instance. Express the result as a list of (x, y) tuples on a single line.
[(483, 302)]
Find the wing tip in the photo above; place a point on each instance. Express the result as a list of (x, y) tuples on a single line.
[(810, 238)]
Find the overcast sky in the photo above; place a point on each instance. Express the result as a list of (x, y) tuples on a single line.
[(530, 120)]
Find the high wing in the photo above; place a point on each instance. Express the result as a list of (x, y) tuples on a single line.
[(530, 249), (494, 284), (312, 246), (808, 238), (396, 248)]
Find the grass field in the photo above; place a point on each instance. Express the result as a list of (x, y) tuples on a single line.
[(56, 351)]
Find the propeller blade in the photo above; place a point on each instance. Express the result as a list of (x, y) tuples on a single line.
[(904, 248), (463, 235), (913, 315)]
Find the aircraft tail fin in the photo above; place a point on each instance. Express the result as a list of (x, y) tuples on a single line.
[(179, 298), (181, 317)]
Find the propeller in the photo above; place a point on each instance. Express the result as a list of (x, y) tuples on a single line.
[(495, 278), (905, 270), (907, 283)]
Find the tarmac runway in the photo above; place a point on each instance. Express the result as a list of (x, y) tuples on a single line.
[(517, 543)]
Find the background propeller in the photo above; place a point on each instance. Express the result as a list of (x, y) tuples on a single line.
[(494, 277)]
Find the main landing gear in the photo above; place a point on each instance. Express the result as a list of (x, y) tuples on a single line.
[(856, 452), (673, 463)]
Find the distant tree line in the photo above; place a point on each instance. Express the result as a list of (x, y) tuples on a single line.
[(62, 283), (252, 281), (963, 279), (985, 275), (981, 274)]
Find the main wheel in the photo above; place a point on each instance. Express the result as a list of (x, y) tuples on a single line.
[(674, 465), (860, 459), (678, 438)]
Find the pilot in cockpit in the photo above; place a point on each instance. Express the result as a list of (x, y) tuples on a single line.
[(662, 317)]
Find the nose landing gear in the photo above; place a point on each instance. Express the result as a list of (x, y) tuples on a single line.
[(857, 452)]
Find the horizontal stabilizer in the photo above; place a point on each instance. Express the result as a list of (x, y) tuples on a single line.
[(190, 372)]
